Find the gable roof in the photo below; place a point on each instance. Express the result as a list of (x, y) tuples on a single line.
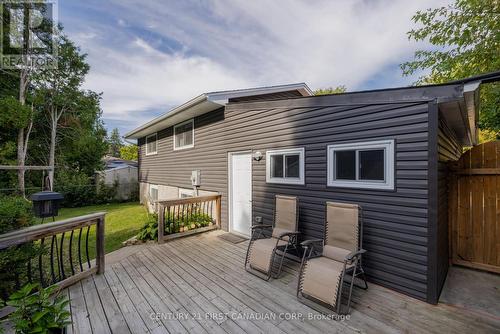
[(207, 102)]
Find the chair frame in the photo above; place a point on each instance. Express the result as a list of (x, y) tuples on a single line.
[(291, 244), (354, 258)]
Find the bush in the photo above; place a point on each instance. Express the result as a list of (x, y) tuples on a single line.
[(36, 312), (149, 231), (77, 188), (105, 193), (15, 213)]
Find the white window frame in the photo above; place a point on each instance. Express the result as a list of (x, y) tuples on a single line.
[(389, 165), (192, 135), (183, 191), (286, 180), (156, 140), (154, 186)]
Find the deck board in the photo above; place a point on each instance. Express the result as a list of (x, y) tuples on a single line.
[(202, 279)]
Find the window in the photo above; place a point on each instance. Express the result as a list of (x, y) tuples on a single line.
[(153, 192), (185, 193), (184, 135), (151, 144), (285, 166), (368, 165)]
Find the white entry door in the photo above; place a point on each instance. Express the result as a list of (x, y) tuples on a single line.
[(240, 187)]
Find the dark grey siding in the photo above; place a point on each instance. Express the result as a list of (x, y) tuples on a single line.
[(270, 96), (396, 224), (448, 150)]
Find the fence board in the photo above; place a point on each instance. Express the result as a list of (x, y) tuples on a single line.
[(474, 204)]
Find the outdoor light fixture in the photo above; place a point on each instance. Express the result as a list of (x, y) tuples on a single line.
[(257, 156)]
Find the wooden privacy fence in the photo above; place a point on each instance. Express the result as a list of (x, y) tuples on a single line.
[(184, 216), (474, 204), (61, 250)]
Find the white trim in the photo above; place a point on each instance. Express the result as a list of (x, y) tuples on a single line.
[(284, 180), (156, 140), (389, 166), (230, 190), (192, 135)]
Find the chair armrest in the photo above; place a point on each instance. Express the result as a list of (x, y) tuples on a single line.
[(288, 234), (352, 255), (260, 226), (310, 242)]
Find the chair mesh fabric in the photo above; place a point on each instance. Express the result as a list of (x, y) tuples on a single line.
[(285, 219)]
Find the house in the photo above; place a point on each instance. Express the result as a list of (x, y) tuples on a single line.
[(386, 150), (122, 172)]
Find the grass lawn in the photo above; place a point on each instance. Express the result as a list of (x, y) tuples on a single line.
[(123, 220)]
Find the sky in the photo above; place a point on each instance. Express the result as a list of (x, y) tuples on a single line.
[(147, 57)]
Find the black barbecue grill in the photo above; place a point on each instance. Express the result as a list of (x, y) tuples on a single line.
[(46, 203)]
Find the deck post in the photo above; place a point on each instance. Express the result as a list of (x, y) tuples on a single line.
[(100, 245), (218, 210), (161, 223)]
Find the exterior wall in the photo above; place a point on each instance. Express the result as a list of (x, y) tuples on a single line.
[(448, 150), (395, 222)]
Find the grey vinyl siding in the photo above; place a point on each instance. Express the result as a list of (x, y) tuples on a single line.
[(395, 222), (270, 96), (449, 150)]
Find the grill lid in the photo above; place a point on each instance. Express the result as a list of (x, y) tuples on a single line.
[(46, 196)]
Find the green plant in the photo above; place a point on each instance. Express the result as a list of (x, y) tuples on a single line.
[(149, 231), (15, 213), (37, 312)]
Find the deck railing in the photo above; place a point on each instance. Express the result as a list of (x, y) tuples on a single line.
[(188, 215), (63, 250)]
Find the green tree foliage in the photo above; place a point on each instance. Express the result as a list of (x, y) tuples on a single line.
[(115, 143), (81, 137), (330, 90), (466, 42), (129, 152)]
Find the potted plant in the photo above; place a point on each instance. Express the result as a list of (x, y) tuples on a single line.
[(38, 312)]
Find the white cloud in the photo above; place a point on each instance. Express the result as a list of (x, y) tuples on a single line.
[(222, 44)]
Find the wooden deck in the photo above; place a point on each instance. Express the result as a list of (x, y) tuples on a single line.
[(198, 285)]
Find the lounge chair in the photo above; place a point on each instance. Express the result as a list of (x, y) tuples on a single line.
[(262, 251), (322, 278)]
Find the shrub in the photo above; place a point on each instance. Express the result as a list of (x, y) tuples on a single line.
[(36, 312), (15, 213), (77, 188), (105, 193), (149, 231)]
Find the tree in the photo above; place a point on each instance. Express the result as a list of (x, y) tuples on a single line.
[(466, 42), (330, 90), (115, 143), (129, 152), (58, 90)]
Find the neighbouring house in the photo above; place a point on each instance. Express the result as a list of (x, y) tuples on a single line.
[(122, 172), (386, 150)]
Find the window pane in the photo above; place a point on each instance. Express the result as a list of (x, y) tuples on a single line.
[(154, 194), (345, 165), (188, 137), (178, 140), (371, 165), (277, 165), (292, 166)]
